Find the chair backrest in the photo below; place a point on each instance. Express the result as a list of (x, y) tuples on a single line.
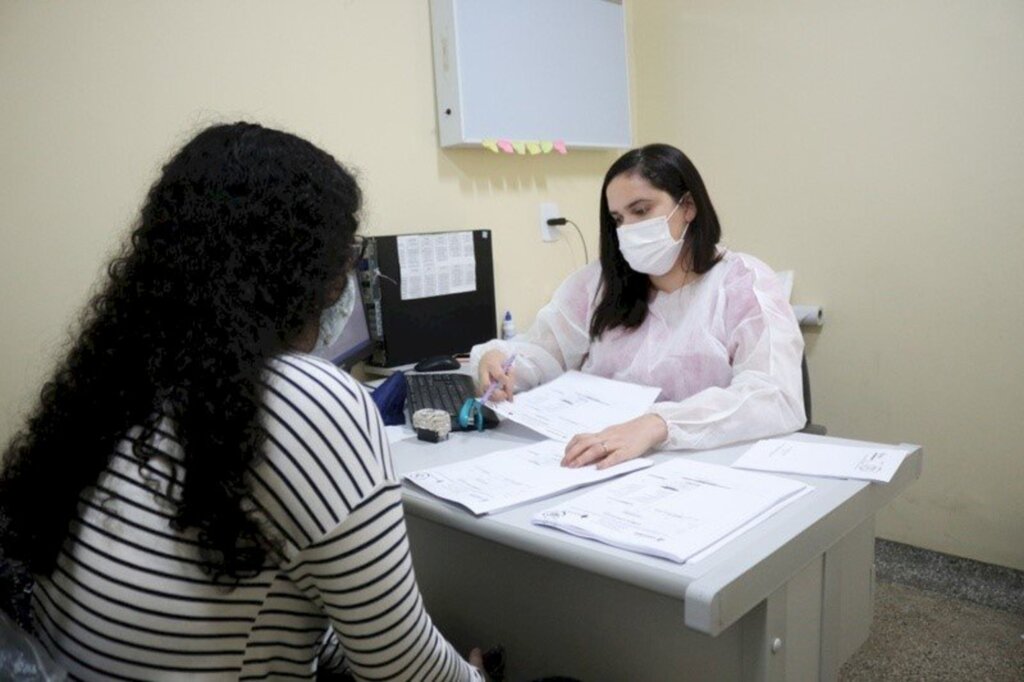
[(809, 426), (807, 389)]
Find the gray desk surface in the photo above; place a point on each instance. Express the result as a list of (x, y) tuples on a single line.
[(717, 591)]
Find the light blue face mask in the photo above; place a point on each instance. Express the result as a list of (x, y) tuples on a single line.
[(334, 317)]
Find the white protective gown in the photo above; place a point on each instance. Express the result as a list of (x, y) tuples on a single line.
[(725, 350)]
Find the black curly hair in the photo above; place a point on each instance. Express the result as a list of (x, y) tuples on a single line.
[(237, 247)]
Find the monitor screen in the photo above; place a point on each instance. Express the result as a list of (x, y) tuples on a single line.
[(354, 344), (448, 320)]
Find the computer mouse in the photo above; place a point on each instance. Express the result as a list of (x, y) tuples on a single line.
[(437, 363)]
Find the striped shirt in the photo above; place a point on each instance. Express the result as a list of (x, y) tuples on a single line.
[(130, 599)]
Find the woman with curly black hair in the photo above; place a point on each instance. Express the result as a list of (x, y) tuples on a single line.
[(196, 494)]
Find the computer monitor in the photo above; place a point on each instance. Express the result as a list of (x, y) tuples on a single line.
[(354, 344), (445, 322)]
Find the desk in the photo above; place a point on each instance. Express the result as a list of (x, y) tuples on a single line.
[(789, 600)]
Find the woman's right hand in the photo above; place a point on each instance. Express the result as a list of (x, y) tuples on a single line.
[(491, 372), (476, 659), (490, 664)]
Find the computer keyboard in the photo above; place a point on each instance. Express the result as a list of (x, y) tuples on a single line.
[(443, 391)]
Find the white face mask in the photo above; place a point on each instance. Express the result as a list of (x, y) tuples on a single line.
[(648, 245), (334, 317)]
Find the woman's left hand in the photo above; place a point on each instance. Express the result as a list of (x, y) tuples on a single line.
[(616, 443)]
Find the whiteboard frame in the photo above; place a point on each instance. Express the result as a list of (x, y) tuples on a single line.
[(577, 98)]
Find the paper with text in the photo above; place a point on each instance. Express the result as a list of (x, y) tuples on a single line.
[(822, 459), (436, 264), (509, 477), (673, 510), (577, 403)]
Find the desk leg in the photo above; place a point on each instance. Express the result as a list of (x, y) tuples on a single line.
[(781, 639), (848, 598)]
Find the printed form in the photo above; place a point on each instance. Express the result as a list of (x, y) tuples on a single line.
[(504, 479), (676, 510), (577, 403), (822, 459), (436, 264)]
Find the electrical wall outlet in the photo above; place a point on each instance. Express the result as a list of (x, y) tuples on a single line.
[(548, 210)]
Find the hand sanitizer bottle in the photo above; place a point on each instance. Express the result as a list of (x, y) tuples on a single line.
[(508, 327)]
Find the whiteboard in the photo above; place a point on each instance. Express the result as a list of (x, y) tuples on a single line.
[(525, 70)]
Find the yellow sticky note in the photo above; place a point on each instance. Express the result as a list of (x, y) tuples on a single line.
[(490, 144), (546, 146), (533, 147), (520, 147)]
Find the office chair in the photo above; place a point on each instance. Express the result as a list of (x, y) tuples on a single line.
[(22, 656), (809, 426)]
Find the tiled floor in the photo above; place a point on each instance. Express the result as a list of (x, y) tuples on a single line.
[(923, 635), (941, 618)]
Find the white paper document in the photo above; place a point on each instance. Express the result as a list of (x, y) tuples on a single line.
[(711, 549), (822, 459), (577, 403), (504, 479), (673, 510), (436, 264), (399, 432)]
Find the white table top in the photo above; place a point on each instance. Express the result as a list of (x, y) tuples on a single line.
[(716, 591)]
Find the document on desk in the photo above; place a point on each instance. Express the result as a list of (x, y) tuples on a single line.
[(509, 477), (866, 463), (577, 403), (674, 510)]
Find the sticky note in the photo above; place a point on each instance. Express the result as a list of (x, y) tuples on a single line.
[(520, 147), (490, 144), (533, 147), (546, 146), (560, 147), (505, 146)]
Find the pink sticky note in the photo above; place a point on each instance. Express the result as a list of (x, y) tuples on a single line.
[(560, 147), (505, 146)]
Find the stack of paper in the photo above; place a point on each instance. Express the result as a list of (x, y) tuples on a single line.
[(502, 479), (674, 510), (577, 403), (822, 459)]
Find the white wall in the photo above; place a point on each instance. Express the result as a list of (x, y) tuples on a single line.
[(97, 95), (877, 149)]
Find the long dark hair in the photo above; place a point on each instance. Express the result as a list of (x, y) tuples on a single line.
[(623, 294), (233, 256)]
